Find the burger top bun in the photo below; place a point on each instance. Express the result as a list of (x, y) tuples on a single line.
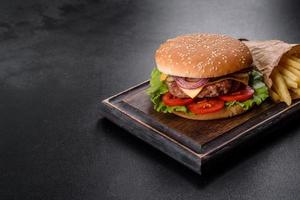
[(202, 56)]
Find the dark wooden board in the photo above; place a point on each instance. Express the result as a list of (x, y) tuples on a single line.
[(188, 141)]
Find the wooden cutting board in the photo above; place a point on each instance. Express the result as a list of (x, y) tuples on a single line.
[(188, 141)]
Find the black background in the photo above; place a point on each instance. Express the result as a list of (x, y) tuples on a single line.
[(59, 59)]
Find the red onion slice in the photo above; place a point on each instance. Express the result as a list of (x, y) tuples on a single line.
[(190, 83)]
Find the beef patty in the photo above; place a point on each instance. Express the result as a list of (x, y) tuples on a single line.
[(211, 90)]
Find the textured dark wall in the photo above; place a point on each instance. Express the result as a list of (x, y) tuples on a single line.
[(59, 59)]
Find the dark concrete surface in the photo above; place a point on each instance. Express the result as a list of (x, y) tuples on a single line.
[(59, 59)]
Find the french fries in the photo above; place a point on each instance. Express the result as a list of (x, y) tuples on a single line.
[(274, 96), (296, 91), (295, 58), (289, 74), (286, 80), (293, 70), (291, 61), (280, 87), (289, 82)]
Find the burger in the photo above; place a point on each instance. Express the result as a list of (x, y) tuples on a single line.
[(205, 77)]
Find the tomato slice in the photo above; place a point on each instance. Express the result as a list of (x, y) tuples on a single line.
[(171, 100), (205, 106), (241, 95)]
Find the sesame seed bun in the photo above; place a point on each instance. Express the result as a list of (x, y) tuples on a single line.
[(224, 113), (202, 56)]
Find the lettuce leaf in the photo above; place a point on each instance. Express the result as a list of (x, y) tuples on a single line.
[(158, 88), (260, 92), (170, 109)]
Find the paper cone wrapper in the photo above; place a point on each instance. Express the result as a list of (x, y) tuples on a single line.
[(267, 54)]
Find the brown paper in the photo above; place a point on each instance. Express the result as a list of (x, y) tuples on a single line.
[(267, 54)]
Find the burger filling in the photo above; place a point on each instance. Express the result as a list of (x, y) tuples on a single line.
[(201, 96), (212, 90)]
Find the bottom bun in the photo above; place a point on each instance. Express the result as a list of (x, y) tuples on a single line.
[(224, 113)]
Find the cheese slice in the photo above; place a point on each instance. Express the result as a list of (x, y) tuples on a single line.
[(163, 77), (193, 92), (240, 77)]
